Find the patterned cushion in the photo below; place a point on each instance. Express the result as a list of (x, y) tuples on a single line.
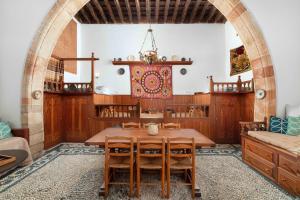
[(293, 126), (5, 131), (278, 125)]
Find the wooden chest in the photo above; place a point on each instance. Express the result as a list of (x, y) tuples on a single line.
[(277, 164)]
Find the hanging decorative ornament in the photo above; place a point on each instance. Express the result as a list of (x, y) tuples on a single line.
[(149, 56)]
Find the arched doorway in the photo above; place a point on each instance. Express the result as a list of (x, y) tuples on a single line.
[(63, 11)]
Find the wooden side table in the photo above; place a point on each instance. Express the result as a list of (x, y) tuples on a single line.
[(20, 155)]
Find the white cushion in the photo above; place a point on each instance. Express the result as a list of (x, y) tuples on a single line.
[(287, 142), (292, 111)]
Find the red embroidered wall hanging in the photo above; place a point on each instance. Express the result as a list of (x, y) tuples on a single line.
[(151, 81)]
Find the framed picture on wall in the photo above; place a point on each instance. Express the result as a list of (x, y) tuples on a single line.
[(239, 61)]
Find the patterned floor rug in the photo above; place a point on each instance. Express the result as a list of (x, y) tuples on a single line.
[(73, 171)]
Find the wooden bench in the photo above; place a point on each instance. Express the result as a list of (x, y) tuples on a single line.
[(277, 164)]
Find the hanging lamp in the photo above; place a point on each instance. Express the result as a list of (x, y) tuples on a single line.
[(149, 56)]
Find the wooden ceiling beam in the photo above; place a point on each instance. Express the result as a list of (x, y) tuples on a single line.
[(138, 10), (194, 11), (156, 11), (119, 11), (203, 11), (91, 9), (100, 9), (78, 17), (218, 17), (185, 9), (148, 11), (129, 10), (166, 11), (111, 14), (175, 11), (82, 11), (213, 11)]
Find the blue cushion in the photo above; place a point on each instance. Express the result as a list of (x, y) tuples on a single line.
[(293, 126), (278, 125), (5, 131)]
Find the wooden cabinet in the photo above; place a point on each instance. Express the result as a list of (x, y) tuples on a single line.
[(226, 120), (77, 110), (52, 119), (66, 118), (277, 164), (225, 113)]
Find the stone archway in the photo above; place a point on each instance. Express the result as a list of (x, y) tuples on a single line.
[(63, 11)]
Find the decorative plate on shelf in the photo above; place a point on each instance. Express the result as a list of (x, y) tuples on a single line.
[(183, 71), (121, 71)]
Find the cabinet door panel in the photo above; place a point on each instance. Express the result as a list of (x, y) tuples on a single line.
[(227, 117)]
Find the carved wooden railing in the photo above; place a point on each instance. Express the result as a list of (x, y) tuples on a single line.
[(186, 111), (53, 86), (78, 88), (54, 82), (109, 111), (231, 87)]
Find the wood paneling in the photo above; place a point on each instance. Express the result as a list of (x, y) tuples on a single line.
[(66, 47), (71, 118), (53, 127), (247, 107), (227, 117), (202, 98), (77, 110)]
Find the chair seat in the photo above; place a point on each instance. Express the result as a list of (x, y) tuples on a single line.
[(181, 163), (150, 163), (119, 162)]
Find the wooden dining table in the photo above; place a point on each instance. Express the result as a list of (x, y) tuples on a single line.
[(200, 140)]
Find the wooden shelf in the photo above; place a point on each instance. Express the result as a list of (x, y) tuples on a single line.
[(156, 63)]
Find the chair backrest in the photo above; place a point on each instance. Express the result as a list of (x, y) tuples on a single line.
[(181, 147), (146, 125), (171, 125), (131, 125), (119, 146), (150, 147)]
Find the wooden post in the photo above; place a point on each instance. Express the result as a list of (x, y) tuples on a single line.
[(239, 84), (211, 84), (92, 70)]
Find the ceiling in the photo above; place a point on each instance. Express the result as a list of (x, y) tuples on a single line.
[(145, 11)]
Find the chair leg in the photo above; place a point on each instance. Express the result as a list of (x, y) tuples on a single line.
[(193, 183), (163, 182), (138, 181), (131, 182), (168, 181), (106, 181)]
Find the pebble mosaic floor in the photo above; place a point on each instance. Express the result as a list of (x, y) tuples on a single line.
[(74, 171)]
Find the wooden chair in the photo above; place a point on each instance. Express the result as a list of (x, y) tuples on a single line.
[(119, 153), (150, 156), (171, 125), (146, 125), (181, 156), (131, 125)]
